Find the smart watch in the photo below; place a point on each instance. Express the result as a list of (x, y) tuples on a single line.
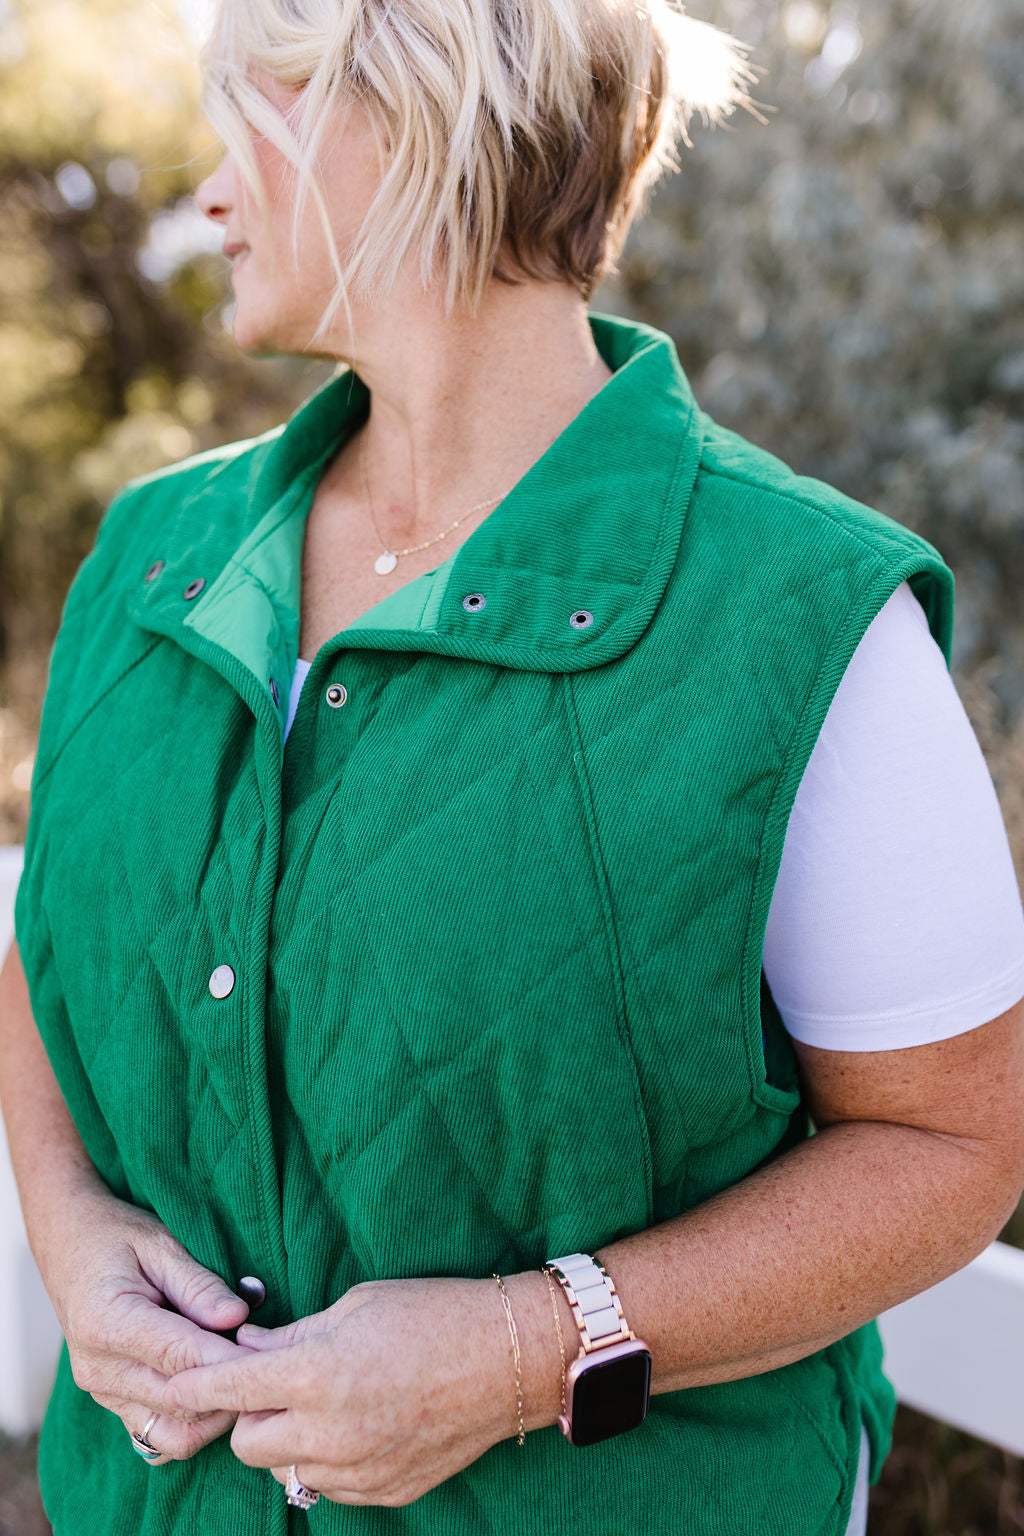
[(608, 1385)]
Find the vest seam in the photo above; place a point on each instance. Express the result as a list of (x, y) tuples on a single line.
[(585, 940), (611, 934), (258, 940)]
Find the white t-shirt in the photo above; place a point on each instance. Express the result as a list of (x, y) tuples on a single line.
[(896, 918)]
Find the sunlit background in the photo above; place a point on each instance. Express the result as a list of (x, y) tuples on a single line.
[(845, 285)]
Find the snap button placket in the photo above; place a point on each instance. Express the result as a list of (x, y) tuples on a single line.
[(580, 618), (194, 588), (154, 571), (222, 982), (474, 601), (336, 695)]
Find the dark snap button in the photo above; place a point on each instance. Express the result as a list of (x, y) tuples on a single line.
[(252, 1291), (274, 694), (581, 619), (474, 602), (194, 588), (336, 695), (154, 571)]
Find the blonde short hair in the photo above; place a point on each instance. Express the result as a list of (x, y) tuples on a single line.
[(517, 137)]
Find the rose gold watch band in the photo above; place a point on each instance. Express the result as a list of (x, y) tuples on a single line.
[(594, 1300)]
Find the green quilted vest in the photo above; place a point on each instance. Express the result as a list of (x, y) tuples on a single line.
[(497, 921)]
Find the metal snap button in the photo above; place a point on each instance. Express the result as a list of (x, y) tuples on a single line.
[(194, 588), (274, 694), (252, 1291), (222, 982), (581, 619), (474, 602), (336, 695), (154, 571)]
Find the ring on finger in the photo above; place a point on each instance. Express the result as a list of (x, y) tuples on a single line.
[(142, 1444), (299, 1496)]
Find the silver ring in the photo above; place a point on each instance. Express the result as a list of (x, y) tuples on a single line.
[(142, 1444), (298, 1495)]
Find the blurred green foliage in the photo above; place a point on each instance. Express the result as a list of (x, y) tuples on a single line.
[(114, 358)]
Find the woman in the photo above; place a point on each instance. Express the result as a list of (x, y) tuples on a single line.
[(414, 934)]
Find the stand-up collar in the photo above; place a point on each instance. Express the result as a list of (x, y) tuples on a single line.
[(564, 574)]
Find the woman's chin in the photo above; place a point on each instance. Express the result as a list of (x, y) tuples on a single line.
[(258, 340)]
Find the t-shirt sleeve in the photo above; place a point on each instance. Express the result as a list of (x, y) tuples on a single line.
[(896, 919)]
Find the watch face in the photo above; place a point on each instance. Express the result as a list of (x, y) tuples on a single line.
[(610, 1398)]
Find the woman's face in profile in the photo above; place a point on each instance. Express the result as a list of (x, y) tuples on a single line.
[(282, 285)]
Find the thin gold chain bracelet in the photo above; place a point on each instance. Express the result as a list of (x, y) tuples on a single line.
[(521, 1435), (558, 1324)]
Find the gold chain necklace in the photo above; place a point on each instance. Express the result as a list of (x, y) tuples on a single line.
[(386, 562)]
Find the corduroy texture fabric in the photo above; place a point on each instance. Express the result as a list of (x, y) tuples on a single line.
[(496, 922)]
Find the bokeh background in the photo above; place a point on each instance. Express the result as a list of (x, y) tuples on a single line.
[(845, 283)]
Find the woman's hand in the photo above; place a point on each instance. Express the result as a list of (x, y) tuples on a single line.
[(395, 1388), (136, 1308)]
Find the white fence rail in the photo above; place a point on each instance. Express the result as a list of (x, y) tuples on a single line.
[(956, 1352)]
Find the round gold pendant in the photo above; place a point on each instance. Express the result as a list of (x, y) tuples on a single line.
[(385, 563)]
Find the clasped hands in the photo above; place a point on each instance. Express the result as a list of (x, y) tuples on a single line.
[(376, 1400), (396, 1387)]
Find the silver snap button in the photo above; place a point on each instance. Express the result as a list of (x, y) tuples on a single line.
[(154, 571), (274, 694), (194, 588), (336, 695), (581, 619), (222, 982), (474, 602)]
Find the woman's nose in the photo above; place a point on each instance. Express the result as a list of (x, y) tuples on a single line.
[(215, 194)]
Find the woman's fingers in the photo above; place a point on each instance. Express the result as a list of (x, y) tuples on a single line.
[(194, 1291), (179, 1441), (130, 1349), (247, 1383), (168, 1342), (173, 1440), (253, 1337)]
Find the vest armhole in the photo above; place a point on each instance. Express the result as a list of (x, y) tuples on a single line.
[(932, 584)]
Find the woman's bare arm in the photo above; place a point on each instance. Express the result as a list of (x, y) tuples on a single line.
[(917, 1163), (50, 1163)]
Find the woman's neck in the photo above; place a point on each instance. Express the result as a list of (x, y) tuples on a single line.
[(462, 406)]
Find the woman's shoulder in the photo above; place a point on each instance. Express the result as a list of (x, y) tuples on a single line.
[(797, 542), (181, 484), (773, 496), (172, 509)]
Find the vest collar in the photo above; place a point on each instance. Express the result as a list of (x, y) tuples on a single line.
[(565, 574)]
